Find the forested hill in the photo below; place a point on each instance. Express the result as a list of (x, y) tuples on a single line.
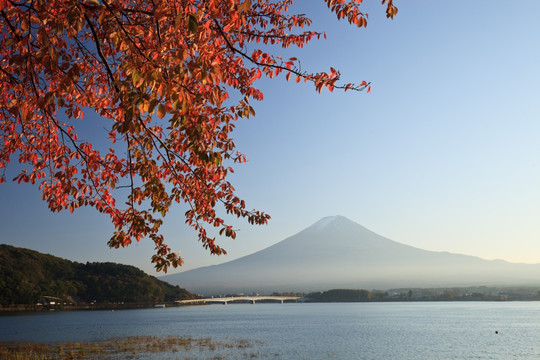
[(27, 276)]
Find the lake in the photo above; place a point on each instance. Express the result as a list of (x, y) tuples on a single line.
[(415, 330)]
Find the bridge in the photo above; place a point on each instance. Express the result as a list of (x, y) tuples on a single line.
[(251, 299)]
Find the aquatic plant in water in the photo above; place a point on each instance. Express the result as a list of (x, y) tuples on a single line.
[(133, 347)]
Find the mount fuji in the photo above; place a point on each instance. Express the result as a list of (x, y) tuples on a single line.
[(336, 252)]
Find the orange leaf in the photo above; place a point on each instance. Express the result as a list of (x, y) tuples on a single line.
[(245, 6), (161, 111)]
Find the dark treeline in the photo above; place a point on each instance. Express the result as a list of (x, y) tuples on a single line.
[(477, 293), (29, 277), (340, 295)]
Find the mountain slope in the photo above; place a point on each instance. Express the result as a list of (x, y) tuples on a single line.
[(336, 252), (27, 275)]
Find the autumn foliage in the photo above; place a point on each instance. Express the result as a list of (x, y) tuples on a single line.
[(171, 78)]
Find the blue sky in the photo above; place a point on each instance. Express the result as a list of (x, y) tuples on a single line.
[(442, 155)]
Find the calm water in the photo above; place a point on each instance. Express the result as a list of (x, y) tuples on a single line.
[(452, 330)]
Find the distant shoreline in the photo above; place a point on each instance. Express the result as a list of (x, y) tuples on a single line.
[(71, 307), (36, 309), (455, 294)]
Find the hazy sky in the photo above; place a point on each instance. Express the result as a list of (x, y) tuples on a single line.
[(442, 155)]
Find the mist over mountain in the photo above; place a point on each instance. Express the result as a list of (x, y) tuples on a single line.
[(336, 252)]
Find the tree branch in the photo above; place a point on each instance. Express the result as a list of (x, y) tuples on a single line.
[(303, 75), (100, 52)]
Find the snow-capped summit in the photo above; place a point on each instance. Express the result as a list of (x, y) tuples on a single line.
[(332, 223), (325, 222)]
